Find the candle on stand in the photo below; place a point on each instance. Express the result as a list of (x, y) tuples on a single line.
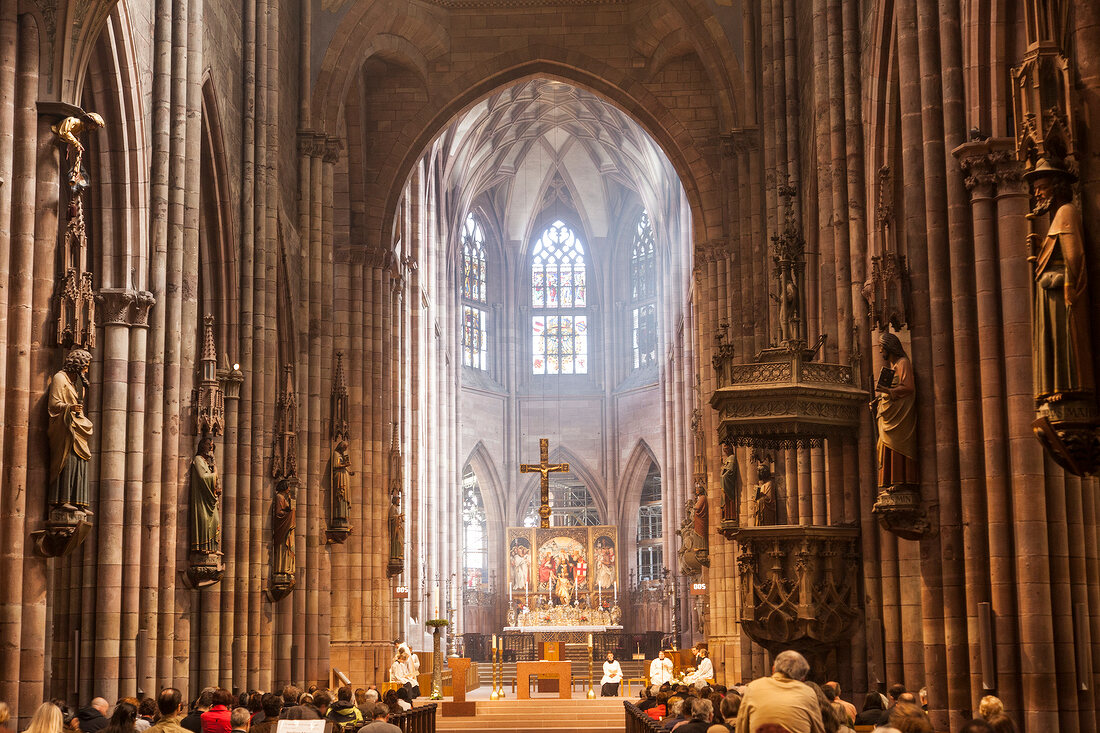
[(509, 592), (590, 639), (599, 595), (616, 592), (494, 642)]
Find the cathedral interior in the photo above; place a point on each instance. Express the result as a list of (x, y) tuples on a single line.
[(762, 324)]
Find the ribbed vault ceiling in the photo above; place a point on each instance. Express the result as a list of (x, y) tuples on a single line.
[(525, 135)]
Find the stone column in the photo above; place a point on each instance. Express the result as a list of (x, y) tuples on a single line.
[(13, 521), (111, 508)]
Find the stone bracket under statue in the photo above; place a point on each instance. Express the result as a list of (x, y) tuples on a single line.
[(66, 528)]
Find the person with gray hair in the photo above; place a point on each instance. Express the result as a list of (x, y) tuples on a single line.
[(702, 713), (792, 664), (782, 699), (239, 720)]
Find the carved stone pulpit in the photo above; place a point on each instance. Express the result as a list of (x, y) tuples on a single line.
[(799, 585)]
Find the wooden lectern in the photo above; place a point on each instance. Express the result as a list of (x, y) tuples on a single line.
[(459, 706)]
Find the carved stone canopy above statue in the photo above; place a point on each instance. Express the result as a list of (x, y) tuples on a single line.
[(785, 399)]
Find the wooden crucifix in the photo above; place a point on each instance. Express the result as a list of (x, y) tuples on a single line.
[(545, 468)]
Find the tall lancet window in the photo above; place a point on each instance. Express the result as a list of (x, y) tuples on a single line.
[(559, 292), (475, 540), (643, 294), (474, 296), (650, 528)]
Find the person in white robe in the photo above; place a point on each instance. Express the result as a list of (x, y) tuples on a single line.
[(660, 669), (399, 670), (612, 676), (704, 670), (413, 663)]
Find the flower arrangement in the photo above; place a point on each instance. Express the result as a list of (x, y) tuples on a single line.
[(681, 678), (437, 622)]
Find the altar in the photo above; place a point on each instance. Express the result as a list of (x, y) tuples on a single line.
[(565, 634)]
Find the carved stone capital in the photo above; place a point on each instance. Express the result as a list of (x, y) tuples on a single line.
[(333, 146), (124, 307), (740, 140), (990, 166), (305, 142)]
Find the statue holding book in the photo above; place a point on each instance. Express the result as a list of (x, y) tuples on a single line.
[(899, 506), (896, 416)]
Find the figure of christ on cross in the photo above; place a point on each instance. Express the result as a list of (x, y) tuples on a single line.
[(545, 468)]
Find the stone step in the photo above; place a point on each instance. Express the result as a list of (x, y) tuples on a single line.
[(546, 715)]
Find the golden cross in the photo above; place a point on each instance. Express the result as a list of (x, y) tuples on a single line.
[(545, 468)]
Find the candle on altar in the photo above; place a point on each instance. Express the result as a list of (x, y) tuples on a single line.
[(616, 592), (599, 595)]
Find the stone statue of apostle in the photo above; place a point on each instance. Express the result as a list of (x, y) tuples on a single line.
[(282, 529), (731, 484), (896, 416), (206, 493), (69, 432), (1062, 351), (341, 471)]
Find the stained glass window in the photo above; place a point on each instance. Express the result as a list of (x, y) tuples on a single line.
[(643, 261), (475, 543), (557, 269), (559, 341), (643, 294), (560, 344), (474, 337), (645, 335), (473, 261), (474, 294), (650, 527)]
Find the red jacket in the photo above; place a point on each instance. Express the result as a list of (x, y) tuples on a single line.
[(216, 720)]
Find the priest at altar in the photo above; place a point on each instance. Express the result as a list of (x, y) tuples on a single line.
[(660, 669)]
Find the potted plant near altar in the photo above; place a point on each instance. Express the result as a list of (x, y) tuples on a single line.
[(437, 625)]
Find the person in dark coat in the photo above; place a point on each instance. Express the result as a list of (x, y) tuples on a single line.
[(93, 718), (193, 720)]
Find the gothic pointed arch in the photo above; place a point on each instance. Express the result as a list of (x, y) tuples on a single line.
[(219, 291), (117, 157)]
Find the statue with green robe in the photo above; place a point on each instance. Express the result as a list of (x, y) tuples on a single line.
[(206, 495)]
